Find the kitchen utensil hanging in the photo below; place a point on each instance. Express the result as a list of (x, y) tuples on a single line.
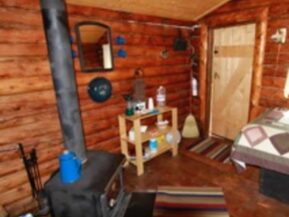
[(180, 43), (100, 89)]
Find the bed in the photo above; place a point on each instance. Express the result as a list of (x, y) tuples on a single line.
[(264, 142)]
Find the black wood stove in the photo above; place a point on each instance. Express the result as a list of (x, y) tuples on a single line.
[(98, 193)]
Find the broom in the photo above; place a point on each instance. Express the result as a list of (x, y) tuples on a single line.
[(3, 212), (190, 128)]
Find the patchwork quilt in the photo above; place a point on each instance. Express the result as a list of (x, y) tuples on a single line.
[(264, 142)]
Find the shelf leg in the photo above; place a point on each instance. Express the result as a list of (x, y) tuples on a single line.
[(160, 117), (138, 147), (175, 125), (122, 135)]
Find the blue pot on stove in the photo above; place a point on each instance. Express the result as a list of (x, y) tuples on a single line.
[(70, 167)]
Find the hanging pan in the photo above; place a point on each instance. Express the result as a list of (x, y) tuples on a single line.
[(180, 43)]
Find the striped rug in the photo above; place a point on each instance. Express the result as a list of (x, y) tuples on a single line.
[(214, 148), (190, 202)]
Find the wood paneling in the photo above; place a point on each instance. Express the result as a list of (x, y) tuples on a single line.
[(267, 91), (28, 112), (181, 9), (270, 59)]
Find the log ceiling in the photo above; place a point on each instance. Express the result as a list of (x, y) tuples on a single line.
[(174, 9)]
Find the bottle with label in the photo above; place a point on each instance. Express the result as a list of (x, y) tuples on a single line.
[(161, 96)]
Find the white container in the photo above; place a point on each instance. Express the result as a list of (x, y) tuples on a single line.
[(161, 96), (194, 87), (162, 124), (131, 135), (139, 107), (151, 104)]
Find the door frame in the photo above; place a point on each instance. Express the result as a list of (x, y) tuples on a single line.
[(257, 16), (210, 69)]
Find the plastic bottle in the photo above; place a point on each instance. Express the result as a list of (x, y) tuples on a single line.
[(161, 96), (194, 87), (153, 145)]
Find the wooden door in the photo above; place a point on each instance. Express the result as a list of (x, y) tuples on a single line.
[(232, 64)]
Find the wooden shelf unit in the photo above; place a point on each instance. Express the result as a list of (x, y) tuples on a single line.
[(140, 138)]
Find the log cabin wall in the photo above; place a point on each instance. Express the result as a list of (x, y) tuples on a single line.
[(28, 112), (268, 91)]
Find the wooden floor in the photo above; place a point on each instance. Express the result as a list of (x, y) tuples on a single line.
[(241, 190)]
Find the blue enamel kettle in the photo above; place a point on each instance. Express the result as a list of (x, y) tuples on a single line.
[(70, 167)]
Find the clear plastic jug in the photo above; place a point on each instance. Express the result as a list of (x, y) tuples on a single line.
[(161, 96)]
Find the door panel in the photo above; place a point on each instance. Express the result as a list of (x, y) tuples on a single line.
[(233, 50)]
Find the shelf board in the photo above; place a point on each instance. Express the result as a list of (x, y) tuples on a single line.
[(162, 148), (147, 135), (161, 110)]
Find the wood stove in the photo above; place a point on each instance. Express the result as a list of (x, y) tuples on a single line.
[(98, 193), (100, 190)]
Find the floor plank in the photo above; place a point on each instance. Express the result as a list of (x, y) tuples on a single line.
[(241, 190)]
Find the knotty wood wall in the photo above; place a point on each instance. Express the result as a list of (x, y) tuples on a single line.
[(273, 15), (28, 112)]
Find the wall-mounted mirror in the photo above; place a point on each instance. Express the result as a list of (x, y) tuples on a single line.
[(94, 46)]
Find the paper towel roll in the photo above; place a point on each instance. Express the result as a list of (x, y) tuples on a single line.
[(151, 104), (106, 56)]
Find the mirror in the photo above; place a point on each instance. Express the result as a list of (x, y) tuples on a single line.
[(94, 46)]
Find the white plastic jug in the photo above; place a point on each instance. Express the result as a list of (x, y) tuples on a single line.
[(161, 96)]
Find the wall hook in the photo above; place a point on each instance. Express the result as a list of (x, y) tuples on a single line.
[(280, 35)]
